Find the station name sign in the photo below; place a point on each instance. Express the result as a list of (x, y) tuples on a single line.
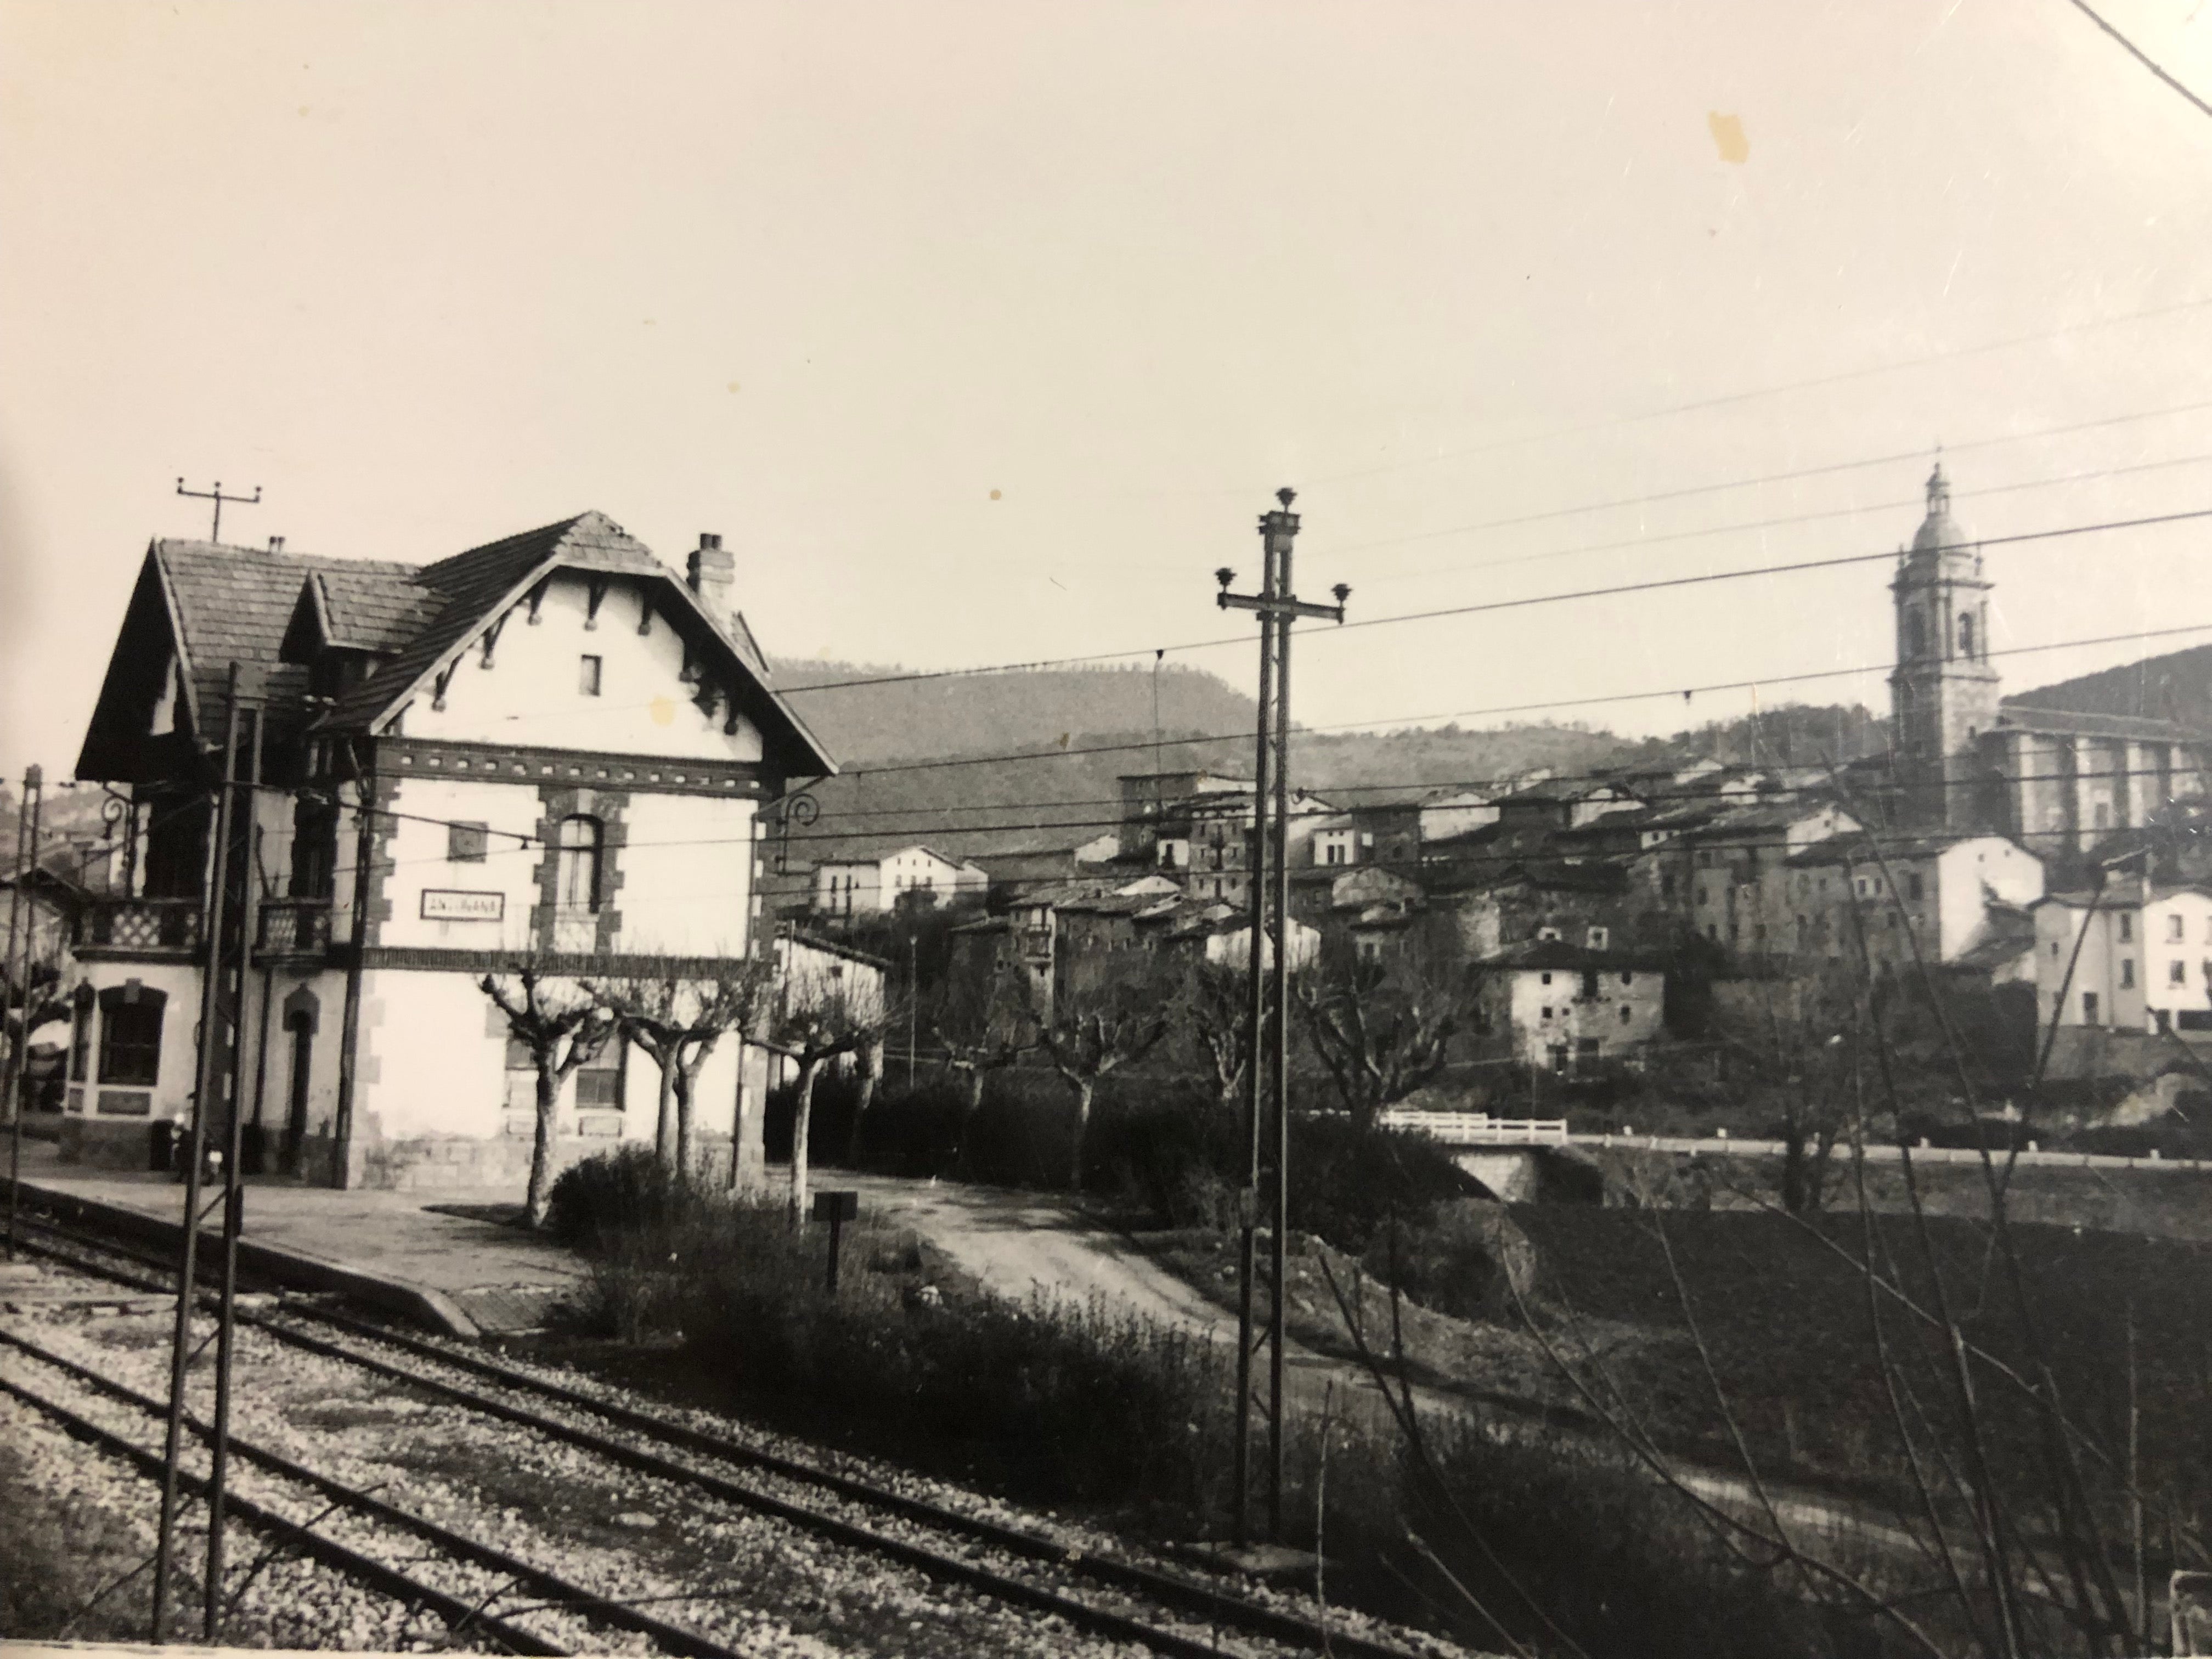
[(447, 904)]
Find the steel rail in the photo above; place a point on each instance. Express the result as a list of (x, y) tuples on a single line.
[(1219, 1606), (549, 1586), (458, 1615)]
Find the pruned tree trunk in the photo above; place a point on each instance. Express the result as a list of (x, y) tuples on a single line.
[(686, 1139), (1083, 1088), (668, 1139), (540, 1199), (971, 1082), (871, 1076), (801, 1122)]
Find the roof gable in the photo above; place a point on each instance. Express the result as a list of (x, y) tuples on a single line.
[(210, 605), (471, 591)]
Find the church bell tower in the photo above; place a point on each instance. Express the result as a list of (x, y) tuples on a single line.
[(1943, 692)]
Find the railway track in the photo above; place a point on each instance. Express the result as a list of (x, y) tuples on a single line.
[(1113, 1599)]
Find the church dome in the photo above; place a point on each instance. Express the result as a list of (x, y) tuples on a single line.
[(1939, 529)]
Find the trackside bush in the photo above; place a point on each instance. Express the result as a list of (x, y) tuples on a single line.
[(610, 1197)]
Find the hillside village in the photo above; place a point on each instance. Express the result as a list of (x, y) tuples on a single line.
[(2014, 846)]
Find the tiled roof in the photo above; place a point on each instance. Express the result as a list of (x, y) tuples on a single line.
[(228, 604), (2066, 722), (1602, 879), (1849, 846), (1558, 953), (375, 608), (232, 604)]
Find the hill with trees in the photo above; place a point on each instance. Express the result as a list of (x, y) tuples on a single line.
[(2177, 686)]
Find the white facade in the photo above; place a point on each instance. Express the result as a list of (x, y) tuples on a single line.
[(1926, 899), (571, 780), (2144, 961), (859, 887), (1455, 814), (1579, 1007)]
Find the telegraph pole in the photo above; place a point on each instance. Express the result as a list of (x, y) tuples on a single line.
[(21, 902), (210, 1076), (1269, 1054), (240, 910)]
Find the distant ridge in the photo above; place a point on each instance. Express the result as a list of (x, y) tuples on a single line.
[(989, 714), (2177, 686)]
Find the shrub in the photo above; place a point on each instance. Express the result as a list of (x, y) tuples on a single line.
[(608, 1197), (910, 1131), (1555, 1536), (1346, 1185), (1167, 1158), (1466, 1258), (1065, 1401)]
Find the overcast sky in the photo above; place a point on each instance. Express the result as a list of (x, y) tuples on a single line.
[(983, 331)]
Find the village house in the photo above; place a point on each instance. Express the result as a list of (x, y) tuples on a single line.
[(1941, 899), (2134, 962), (1061, 939), (870, 886), (1566, 1005), (1740, 892), (1454, 812), (549, 749), (1024, 865)]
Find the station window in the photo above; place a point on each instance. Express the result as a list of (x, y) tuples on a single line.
[(130, 1035), (587, 677)]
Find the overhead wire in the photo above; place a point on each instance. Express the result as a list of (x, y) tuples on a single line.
[(1686, 692), (1721, 802), (1724, 399)]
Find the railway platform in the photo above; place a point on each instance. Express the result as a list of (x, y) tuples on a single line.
[(451, 1259)]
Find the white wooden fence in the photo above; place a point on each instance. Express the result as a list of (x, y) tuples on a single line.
[(1477, 1129)]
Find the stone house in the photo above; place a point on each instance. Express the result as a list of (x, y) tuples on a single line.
[(1940, 898), (1564, 1004)]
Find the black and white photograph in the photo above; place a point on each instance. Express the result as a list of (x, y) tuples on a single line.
[(685, 977)]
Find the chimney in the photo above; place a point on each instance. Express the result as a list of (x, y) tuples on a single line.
[(713, 571), (276, 543)]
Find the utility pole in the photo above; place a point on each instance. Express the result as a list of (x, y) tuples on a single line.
[(215, 534), (21, 902), (1267, 1071), (241, 909), (207, 1078), (913, 1004)]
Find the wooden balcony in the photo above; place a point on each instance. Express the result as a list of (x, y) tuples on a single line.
[(159, 927), (296, 928)]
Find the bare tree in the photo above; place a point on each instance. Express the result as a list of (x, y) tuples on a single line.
[(983, 1027), (1785, 1062), (1216, 1007), (564, 1028), (1383, 1030), (1115, 1018), (679, 1020), (817, 1023), (872, 1079)]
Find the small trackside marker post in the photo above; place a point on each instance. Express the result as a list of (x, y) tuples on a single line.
[(837, 1208)]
